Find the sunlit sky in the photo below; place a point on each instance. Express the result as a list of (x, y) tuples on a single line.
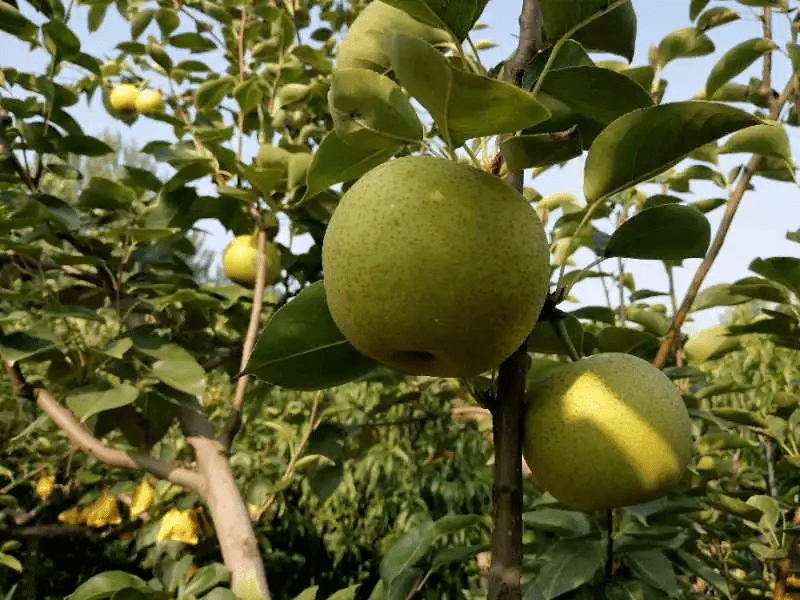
[(760, 227)]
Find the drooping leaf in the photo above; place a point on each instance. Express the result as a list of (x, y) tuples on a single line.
[(457, 15), (736, 60), (301, 347), (717, 295), (106, 584), (539, 150), (665, 232), (648, 141), (716, 16)]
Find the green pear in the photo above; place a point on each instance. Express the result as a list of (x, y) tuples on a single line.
[(606, 431), (434, 267), (239, 261), (363, 44), (273, 157), (371, 111)]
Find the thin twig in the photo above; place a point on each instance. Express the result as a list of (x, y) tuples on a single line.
[(235, 418), (80, 436), (716, 245)]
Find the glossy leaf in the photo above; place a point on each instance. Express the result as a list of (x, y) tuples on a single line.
[(784, 270), (539, 150), (457, 15), (371, 111), (716, 16), (614, 32), (736, 60), (683, 43), (413, 545), (86, 402), (665, 232), (648, 141), (766, 140), (717, 295), (106, 584), (336, 161), (462, 104), (654, 568), (301, 347), (569, 564)]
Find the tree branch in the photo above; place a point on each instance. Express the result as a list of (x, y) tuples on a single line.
[(731, 207), (507, 410), (77, 433)]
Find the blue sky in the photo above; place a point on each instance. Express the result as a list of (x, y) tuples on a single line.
[(759, 230)]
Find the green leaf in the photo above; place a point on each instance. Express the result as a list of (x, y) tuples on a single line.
[(301, 347), (336, 162), (463, 105), (90, 400), (545, 340), (648, 141), (740, 416), (699, 567), (348, 593), (614, 32), (15, 23), (194, 42), (735, 61), (60, 41), (308, 593), (665, 232), (182, 372), (106, 584), (85, 145), (248, 94), (710, 343), (211, 92), (457, 15), (206, 578), (683, 43), (168, 20), (717, 295), (371, 111), (654, 568), (139, 22), (10, 562), (716, 16), (695, 7), (784, 270), (564, 523), (21, 345), (629, 341), (569, 564), (412, 546), (768, 139), (540, 150)]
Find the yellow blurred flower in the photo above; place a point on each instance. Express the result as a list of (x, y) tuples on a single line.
[(142, 499), (180, 526), (103, 511), (45, 486), (71, 516)]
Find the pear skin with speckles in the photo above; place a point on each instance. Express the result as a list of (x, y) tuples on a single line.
[(606, 431), (435, 267)]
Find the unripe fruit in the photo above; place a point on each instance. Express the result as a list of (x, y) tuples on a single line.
[(606, 431), (149, 101), (434, 267), (123, 97), (239, 261), (363, 44)]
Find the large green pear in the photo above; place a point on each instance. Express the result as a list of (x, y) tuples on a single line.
[(363, 44), (434, 267), (606, 431)]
